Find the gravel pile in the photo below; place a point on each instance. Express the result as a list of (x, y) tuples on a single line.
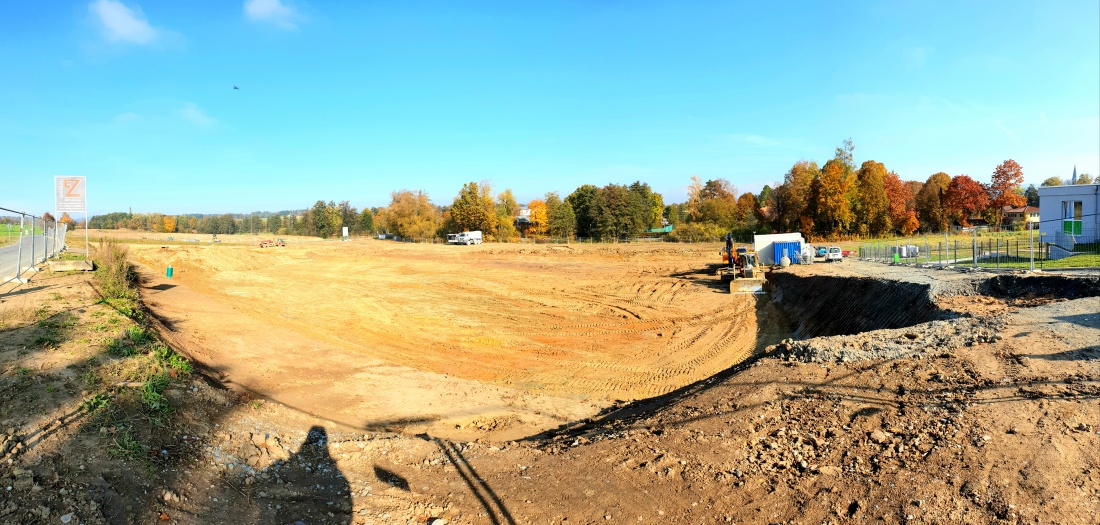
[(931, 338)]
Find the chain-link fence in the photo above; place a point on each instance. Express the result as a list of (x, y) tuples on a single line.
[(26, 241), (1032, 247)]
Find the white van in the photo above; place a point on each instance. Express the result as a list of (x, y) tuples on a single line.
[(467, 238), (833, 254)]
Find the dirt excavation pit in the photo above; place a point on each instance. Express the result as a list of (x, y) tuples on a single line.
[(483, 341), (974, 401)]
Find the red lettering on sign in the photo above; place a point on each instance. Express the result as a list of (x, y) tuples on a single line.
[(70, 187)]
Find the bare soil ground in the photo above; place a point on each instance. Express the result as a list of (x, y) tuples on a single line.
[(996, 421), (467, 341)]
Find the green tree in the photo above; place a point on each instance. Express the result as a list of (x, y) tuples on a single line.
[(1031, 195), (765, 194), (273, 223), (366, 221), (581, 202), (617, 212), (654, 204), (1052, 181), (349, 216), (562, 220), (872, 207), (929, 203), (473, 209)]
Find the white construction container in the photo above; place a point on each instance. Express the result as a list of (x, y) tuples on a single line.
[(467, 238)]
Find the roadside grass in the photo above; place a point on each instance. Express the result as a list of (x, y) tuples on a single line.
[(125, 386)]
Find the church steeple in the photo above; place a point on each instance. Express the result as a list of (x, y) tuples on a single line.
[(1074, 179)]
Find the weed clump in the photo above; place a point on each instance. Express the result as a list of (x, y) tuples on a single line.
[(115, 277)]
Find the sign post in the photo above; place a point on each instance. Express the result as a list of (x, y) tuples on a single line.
[(70, 195)]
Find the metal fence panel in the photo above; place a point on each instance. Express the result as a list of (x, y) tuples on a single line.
[(991, 248), (26, 241)]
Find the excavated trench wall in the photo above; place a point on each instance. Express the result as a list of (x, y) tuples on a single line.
[(820, 305), (827, 305)]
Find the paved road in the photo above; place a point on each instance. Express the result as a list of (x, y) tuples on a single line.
[(10, 252)]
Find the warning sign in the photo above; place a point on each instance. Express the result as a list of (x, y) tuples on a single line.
[(69, 194)]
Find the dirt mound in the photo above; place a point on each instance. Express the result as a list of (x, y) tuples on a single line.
[(921, 340)]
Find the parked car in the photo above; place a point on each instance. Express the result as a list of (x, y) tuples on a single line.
[(834, 254), (821, 251)]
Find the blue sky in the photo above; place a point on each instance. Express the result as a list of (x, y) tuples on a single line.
[(352, 100)]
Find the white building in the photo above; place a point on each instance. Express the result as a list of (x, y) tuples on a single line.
[(1068, 216)]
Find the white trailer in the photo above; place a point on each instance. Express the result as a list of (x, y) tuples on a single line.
[(466, 238), (764, 247)]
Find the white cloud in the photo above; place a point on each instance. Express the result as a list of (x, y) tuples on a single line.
[(274, 12), (194, 114), (122, 24)]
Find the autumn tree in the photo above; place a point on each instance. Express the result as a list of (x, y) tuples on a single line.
[(65, 219), (929, 203), (897, 198), (412, 215), (831, 211), (793, 197), (507, 209), (169, 224), (537, 217), (1084, 178), (746, 216), (1052, 181), (1007, 177), (473, 209), (964, 197), (910, 225), (717, 204), (871, 204)]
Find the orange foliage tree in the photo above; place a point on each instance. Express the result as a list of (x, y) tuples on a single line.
[(911, 224), (1002, 188), (538, 217), (963, 197), (897, 197), (169, 224)]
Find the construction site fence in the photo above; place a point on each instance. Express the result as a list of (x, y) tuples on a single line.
[(1074, 247), (26, 241)]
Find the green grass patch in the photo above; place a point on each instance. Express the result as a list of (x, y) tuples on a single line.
[(121, 348)]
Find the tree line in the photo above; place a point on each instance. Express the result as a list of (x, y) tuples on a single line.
[(835, 199)]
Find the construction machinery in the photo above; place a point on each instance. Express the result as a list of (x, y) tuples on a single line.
[(744, 275), (267, 243)]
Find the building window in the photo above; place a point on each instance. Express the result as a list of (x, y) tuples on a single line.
[(1072, 213)]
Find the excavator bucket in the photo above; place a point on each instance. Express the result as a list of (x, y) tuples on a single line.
[(747, 287)]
